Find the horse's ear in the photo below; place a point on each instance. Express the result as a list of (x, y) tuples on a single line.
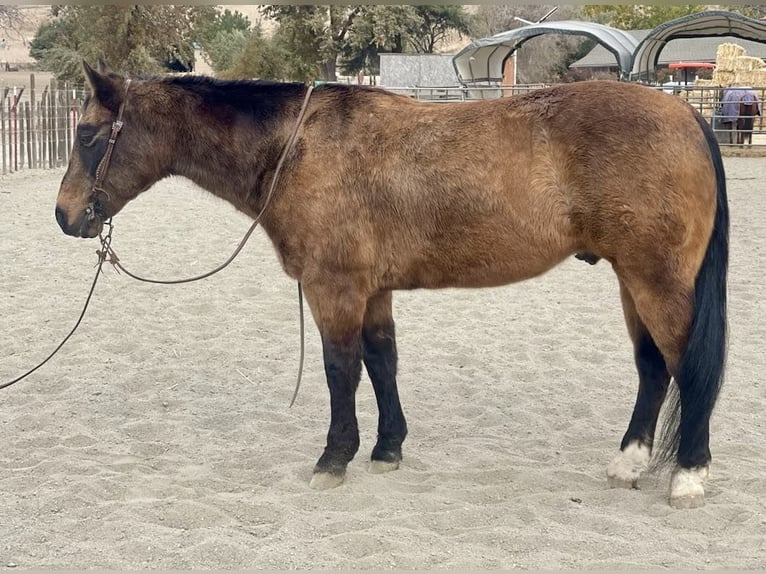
[(104, 87), (103, 67)]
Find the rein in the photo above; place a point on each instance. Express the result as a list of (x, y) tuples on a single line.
[(107, 254)]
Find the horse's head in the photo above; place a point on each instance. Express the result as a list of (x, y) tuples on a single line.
[(111, 161)]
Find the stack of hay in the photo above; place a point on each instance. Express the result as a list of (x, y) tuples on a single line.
[(734, 68)]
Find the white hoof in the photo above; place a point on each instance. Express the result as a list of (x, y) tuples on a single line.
[(380, 466), (626, 468), (325, 480), (686, 489)]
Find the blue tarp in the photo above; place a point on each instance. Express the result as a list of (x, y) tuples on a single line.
[(731, 99)]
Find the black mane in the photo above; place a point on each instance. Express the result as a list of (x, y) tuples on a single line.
[(262, 99)]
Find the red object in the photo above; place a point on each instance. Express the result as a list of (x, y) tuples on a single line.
[(685, 65)]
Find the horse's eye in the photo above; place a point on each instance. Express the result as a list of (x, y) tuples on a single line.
[(87, 140), (87, 135)]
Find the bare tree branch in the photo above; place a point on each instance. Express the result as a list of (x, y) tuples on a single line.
[(11, 20)]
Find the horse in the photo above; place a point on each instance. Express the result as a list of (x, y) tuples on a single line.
[(380, 193), (739, 106), (748, 109)]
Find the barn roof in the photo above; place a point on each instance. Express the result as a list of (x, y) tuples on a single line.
[(482, 60)]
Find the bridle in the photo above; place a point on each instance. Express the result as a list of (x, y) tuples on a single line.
[(95, 205)]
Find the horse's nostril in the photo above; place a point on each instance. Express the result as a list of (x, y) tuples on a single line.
[(61, 218)]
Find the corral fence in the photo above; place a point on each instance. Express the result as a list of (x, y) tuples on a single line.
[(37, 125)]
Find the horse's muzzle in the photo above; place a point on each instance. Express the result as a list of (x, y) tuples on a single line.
[(84, 226)]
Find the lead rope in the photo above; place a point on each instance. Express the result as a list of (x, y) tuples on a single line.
[(106, 253), (101, 259), (303, 347)]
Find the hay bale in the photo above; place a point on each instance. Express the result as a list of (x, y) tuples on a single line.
[(725, 64), (723, 78), (747, 64), (752, 78), (728, 50)]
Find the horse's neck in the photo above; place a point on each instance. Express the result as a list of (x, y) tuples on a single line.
[(232, 160)]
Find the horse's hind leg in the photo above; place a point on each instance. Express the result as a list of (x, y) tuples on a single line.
[(636, 447), (379, 347), (667, 311)]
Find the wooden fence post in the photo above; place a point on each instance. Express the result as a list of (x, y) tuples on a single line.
[(30, 135), (2, 130), (10, 133), (54, 151), (15, 114)]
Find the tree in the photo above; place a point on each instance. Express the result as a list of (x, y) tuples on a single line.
[(491, 19), (316, 36), (225, 49), (211, 22), (133, 39), (11, 19), (637, 17), (313, 36), (397, 29), (432, 24), (757, 11), (261, 58), (223, 37), (545, 58)]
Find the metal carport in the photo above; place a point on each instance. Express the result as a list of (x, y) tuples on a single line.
[(482, 61), (700, 24)]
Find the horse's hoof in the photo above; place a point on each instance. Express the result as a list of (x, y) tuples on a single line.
[(381, 466), (626, 468), (326, 480), (686, 489), (619, 483), (685, 502)]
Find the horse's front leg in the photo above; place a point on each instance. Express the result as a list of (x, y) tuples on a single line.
[(379, 344), (338, 311)]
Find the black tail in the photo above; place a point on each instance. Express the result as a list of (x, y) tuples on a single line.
[(700, 371)]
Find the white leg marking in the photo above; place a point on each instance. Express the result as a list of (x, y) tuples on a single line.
[(686, 487), (325, 480), (626, 468), (381, 466)]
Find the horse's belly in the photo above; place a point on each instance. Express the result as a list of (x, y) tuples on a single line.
[(482, 243), (485, 267)]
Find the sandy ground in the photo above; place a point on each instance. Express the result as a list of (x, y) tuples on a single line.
[(161, 436)]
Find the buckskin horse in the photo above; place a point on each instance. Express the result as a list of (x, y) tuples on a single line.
[(380, 192)]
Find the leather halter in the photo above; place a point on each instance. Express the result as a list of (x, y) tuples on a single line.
[(95, 206)]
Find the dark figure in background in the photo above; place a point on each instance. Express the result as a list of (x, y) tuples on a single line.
[(749, 107), (739, 106)]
